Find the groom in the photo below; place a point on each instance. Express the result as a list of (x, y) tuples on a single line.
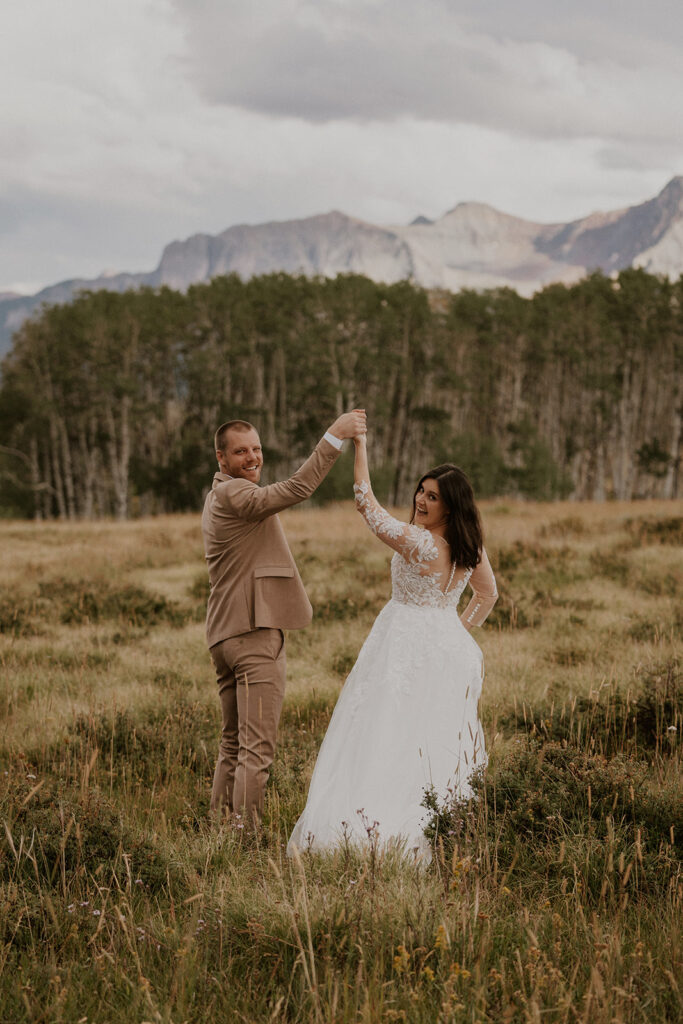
[(255, 593)]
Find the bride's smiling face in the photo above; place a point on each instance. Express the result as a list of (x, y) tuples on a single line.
[(430, 508)]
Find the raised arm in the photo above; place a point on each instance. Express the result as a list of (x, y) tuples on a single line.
[(413, 543), (485, 595), (247, 500)]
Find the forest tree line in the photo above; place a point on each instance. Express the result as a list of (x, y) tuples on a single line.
[(108, 405)]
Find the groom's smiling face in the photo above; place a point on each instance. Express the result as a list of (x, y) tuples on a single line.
[(242, 455)]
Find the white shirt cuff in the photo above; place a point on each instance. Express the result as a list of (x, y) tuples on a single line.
[(336, 442)]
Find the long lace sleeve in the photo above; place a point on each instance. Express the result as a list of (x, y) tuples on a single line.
[(485, 595), (412, 542)]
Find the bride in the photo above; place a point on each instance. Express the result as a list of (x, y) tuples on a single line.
[(406, 719)]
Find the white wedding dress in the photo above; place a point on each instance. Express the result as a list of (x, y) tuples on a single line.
[(406, 719)]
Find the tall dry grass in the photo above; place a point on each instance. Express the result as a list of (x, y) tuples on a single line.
[(554, 896)]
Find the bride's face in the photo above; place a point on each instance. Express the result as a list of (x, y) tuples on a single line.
[(430, 508)]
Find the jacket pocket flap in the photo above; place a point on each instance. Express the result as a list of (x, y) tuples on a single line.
[(273, 570)]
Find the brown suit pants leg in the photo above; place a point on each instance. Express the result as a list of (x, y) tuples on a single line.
[(250, 669)]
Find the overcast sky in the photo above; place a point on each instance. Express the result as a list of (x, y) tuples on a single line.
[(126, 125)]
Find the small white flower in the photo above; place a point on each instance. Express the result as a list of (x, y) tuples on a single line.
[(671, 728), (30, 776), (96, 913), (138, 881)]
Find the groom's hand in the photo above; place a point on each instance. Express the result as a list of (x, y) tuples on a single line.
[(349, 424)]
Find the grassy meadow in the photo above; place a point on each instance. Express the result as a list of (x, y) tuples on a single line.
[(555, 896)]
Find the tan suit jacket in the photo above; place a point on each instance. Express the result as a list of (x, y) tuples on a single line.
[(254, 580)]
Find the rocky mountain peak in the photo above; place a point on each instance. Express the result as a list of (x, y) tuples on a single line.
[(670, 199), (674, 187), (473, 245), (472, 209)]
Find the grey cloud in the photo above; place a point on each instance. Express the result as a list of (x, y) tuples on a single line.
[(508, 68), (624, 31)]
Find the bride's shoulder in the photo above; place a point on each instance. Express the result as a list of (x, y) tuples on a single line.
[(420, 544)]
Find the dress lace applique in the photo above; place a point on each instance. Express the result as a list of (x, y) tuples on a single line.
[(409, 586)]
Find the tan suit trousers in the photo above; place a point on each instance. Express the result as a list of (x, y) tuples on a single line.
[(250, 670)]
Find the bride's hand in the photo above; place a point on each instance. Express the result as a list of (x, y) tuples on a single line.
[(360, 440)]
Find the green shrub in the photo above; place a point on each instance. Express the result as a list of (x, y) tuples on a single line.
[(568, 526), (98, 601), (610, 565), (549, 813), (645, 724), (54, 837), (18, 616), (667, 584), (148, 748), (656, 531)]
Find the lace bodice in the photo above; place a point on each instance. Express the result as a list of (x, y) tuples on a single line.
[(409, 586), (416, 580)]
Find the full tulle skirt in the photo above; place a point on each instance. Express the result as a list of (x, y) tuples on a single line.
[(406, 721)]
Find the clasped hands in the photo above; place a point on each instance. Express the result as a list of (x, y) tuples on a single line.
[(351, 425)]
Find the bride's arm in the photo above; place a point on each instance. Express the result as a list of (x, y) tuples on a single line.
[(485, 595), (413, 543)]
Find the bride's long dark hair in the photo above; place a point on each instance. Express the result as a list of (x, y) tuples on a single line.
[(463, 529)]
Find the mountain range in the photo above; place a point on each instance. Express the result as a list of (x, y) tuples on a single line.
[(471, 246)]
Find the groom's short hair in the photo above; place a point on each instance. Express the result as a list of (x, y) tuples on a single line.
[(221, 435)]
